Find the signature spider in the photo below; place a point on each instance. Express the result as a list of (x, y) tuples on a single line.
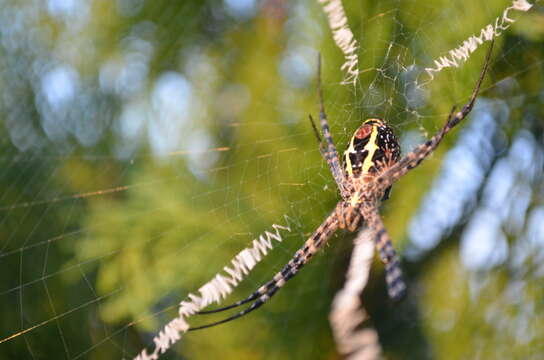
[(370, 167)]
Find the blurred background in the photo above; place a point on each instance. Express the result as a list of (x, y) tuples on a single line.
[(145, 143)]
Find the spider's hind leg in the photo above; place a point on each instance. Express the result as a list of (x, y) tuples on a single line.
[(415, 157), (326, 146)]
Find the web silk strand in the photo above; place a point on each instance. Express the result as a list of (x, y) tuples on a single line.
[(462, 52), (347, 313), (343, 37), (214, 291)]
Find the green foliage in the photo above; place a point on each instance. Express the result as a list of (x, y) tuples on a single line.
[(102, 239)]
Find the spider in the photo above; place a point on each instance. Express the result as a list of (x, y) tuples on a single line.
[(370, 167)]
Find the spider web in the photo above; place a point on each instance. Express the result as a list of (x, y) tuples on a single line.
[(147, 143)]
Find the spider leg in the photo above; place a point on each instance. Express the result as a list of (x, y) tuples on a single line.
[(415, 157), (328, 149), (257, 304), (396, 287), (301, 257), (262, 298), (340, 216), (355, 223), (332, 159), (316, 133), (354, 219)]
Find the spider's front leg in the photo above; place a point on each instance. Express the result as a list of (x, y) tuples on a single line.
[(303, 255), (393, 273)]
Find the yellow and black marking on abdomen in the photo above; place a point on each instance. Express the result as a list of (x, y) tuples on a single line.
[(372, 146)]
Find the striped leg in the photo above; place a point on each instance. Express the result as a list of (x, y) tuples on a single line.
[(327, 148), (301, 257), (414, 158), (331, 157), (393, 273)]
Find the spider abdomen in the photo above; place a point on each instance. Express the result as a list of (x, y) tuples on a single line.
[(372, 147)]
